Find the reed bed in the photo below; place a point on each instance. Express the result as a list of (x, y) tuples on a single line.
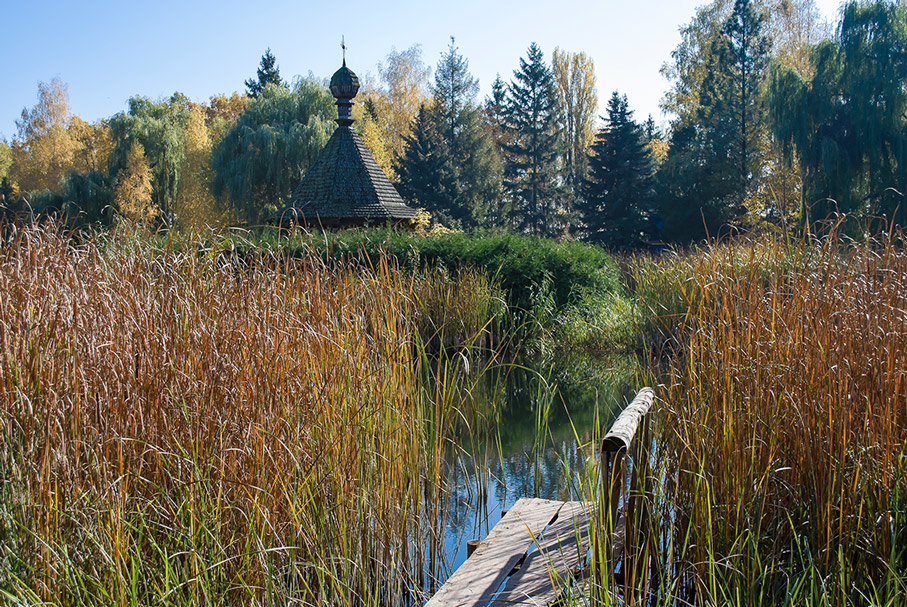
[(783, 426), (461, 310), (179, 427)]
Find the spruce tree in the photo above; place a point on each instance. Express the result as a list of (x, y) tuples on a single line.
[(495, 106), (745, 49), (716, 154), (530, 148), (619, 187), (451, 149), (425, 170), (454, 89), (651, 130), (268, 73), (498, 212)]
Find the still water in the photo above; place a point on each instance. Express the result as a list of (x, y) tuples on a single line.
[(531, 433)]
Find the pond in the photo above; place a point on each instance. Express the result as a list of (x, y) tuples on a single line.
[(532, 432)]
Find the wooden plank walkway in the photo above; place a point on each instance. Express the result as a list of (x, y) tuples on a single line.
[(525, 559)]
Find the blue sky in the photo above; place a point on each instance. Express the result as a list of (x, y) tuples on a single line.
[(109, 51)]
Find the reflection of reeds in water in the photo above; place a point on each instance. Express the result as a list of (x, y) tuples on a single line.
[(179, 428), (783, 429)]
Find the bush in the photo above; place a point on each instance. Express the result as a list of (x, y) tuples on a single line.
[(520, 264)]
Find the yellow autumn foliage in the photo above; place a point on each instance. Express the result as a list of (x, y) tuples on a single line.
[(196, 208), (132, 196)]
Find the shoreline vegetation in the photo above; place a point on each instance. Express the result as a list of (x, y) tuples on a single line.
[(782, 425), (254, 419)]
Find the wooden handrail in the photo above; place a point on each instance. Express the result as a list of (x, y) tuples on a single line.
[(621, 434), (622, 529)]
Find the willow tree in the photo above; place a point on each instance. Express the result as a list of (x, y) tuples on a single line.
[(847, 121), (262, 158), (159, 127)]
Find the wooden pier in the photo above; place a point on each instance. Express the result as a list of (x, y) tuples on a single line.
[(543, 552), (527, 556)]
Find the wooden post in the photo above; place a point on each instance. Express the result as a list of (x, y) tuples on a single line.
[(471, 546), (614, 537), (638, 520)]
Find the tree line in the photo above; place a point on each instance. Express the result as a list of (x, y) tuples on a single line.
[(776, 119)]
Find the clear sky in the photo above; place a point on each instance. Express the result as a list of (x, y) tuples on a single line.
[(109, 51)]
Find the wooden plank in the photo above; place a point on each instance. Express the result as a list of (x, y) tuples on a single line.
[(560, 552), (479, 578), (624, 428)]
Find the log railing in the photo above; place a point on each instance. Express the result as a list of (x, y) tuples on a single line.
[(621, 538)]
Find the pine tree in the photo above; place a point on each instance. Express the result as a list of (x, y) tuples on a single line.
[(530, 149), (716, 155), (268, 73), (619, 188)]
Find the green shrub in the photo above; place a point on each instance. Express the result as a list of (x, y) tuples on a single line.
[(519, 264)]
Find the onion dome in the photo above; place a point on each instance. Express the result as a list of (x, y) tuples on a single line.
[(344, 83)]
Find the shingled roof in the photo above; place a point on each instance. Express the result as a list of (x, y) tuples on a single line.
[(345, 186)]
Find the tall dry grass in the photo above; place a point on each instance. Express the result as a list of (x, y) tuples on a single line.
[(784, 424), (180, 428), (463, 309)]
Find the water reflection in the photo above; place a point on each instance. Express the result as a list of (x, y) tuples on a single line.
[(528, 430)]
